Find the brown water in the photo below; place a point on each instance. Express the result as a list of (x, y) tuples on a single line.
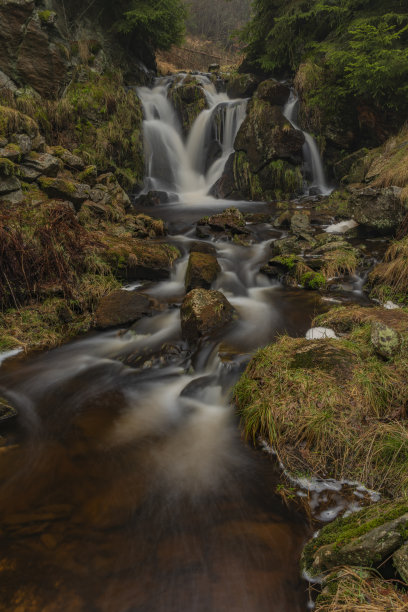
[(128, 489)]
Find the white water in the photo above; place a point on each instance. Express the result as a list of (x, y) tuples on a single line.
[(310, 150), (183, 167)]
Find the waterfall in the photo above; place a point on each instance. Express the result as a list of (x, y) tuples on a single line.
[(189, 167), (310, 150)]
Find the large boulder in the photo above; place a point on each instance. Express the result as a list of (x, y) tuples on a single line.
[(378, 209), (204, 312), (386, 341), (31, 52), (266, 135), (121, 308), (202, 270), (43, 163), (273, 92), (188, 98), (134, 259)]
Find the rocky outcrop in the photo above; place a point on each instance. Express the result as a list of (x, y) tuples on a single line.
[(241, 85), (203, 313), (33, 51), (268, 151), (121, 308), (189, 100), (378, 209)]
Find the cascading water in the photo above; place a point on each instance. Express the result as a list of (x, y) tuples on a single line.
[(310, 150), (186, 168)]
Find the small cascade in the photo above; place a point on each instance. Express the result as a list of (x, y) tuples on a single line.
[(311, 152), (188, 168)]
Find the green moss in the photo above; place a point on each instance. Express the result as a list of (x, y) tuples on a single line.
[(313, 280), (8, 168), (89, 172), (343, 530), (287, 261), (46, 16)]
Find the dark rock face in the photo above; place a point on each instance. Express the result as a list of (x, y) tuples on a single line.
[(273, 92), (30, 54), (204, 313), (121, 308), (268, 155), (152, 198), (266, 135), (189, 100), (7, 410)]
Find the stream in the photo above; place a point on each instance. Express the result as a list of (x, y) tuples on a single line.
[(127, 486)]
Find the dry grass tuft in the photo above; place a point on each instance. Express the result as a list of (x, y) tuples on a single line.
[(352, 590), (330, 408), (340, 262), (390, 278)]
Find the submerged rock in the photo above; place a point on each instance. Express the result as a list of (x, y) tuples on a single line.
[(204, 312), (121, 308)]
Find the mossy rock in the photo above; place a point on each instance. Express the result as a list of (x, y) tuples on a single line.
[(203, 313), (202, 271), (188, 99), (140, 260), (365, 538), (65, 188), (14, 122)]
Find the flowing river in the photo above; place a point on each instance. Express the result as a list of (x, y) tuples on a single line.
[(128, 487)]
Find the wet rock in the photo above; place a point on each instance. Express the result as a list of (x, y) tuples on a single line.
[(202, 270), (147, 260), (283, 220), (286, 246), (300, 223), (271, 270), (121, 308), (204, 312), (377, 209), (188, 98), (266, 136), (203, 247), (386, 341), (231, 220), (66, 189), (153, 198), (7, 410), (400, 560), (273, 92), (242, 85), (369, 549), (44, 163)]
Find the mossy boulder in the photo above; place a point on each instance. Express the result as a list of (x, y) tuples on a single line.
[(230, 220), (121, 308), (273, 92), (188, 98), (43, 163), (203, 313), (364, 539), (134, 259), (202, 271), (241, 85), (266, 135), (65, 188), (378, 209)]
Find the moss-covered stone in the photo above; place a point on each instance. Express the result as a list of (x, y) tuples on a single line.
[(203, 313), (202, 270), (188, 98)]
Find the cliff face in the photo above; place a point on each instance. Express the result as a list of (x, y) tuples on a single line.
[(42, 43)]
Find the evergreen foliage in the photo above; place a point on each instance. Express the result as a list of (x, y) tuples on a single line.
[(351, 48)]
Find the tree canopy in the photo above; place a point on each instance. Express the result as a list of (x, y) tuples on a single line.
[(352, 47)]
